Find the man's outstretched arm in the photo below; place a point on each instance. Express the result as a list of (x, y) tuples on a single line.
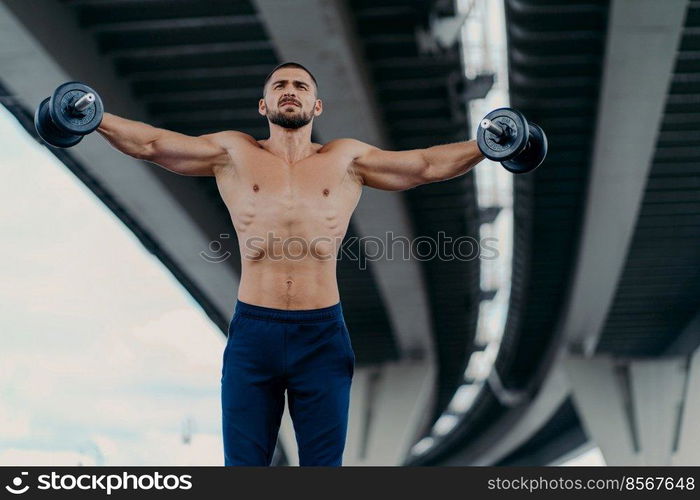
[(399, 170), (179, 153)]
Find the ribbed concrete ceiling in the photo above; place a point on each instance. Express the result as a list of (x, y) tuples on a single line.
[(659, 291), (555, 53), (414, 90), (656, 305)]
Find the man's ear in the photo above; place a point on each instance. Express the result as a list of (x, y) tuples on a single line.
[(318, 107), (262, 109)]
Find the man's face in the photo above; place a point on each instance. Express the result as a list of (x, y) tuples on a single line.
[(290, 99)]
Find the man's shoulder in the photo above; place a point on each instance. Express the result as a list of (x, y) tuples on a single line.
[(352, 147), (231, 138)]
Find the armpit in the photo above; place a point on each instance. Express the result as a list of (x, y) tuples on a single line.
[(355, 174)]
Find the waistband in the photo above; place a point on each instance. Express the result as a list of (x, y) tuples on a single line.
[(289, 315)]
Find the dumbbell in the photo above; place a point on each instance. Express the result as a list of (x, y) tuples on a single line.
[(73, 111), (504, 135)]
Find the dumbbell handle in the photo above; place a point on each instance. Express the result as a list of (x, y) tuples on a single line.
[(487, 124), (84, 102)]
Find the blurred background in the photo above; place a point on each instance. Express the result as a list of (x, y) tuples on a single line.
[(571, 337)]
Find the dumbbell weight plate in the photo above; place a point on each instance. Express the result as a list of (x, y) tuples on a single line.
[(67, 120), (533, 154), (515, 123), (48, 131)]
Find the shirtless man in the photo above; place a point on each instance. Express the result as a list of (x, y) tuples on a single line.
[(290, 202)]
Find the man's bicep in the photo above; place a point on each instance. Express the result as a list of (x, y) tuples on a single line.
[(391, 170), (189, 155)]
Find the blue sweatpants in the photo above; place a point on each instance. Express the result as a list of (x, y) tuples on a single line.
[(308, 353)]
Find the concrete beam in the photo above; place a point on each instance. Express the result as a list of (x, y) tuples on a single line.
[(640, 53), (688, 441), (688, 341), (40, 51), (643, 37), (630, 408), (553, 393), (600, 403), (642, 43), (403, 397), (657, 386)]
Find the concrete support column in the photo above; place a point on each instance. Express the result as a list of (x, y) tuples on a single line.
[(639, 412), (688, 447)]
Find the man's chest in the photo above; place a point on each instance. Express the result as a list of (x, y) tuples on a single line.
[(322, 175), (261, 189)]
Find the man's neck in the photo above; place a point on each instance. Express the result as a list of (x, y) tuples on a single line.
[(291, 145)]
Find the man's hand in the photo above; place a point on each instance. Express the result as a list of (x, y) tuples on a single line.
[(399, 170)]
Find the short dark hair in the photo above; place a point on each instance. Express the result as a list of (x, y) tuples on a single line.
[(289, 64)]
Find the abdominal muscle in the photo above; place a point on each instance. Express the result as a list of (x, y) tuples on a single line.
[(299, 285), (288, 257)]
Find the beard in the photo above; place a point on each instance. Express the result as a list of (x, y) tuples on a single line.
[(292, 121)]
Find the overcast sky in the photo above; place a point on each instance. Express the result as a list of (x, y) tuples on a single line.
[(103, 355)]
